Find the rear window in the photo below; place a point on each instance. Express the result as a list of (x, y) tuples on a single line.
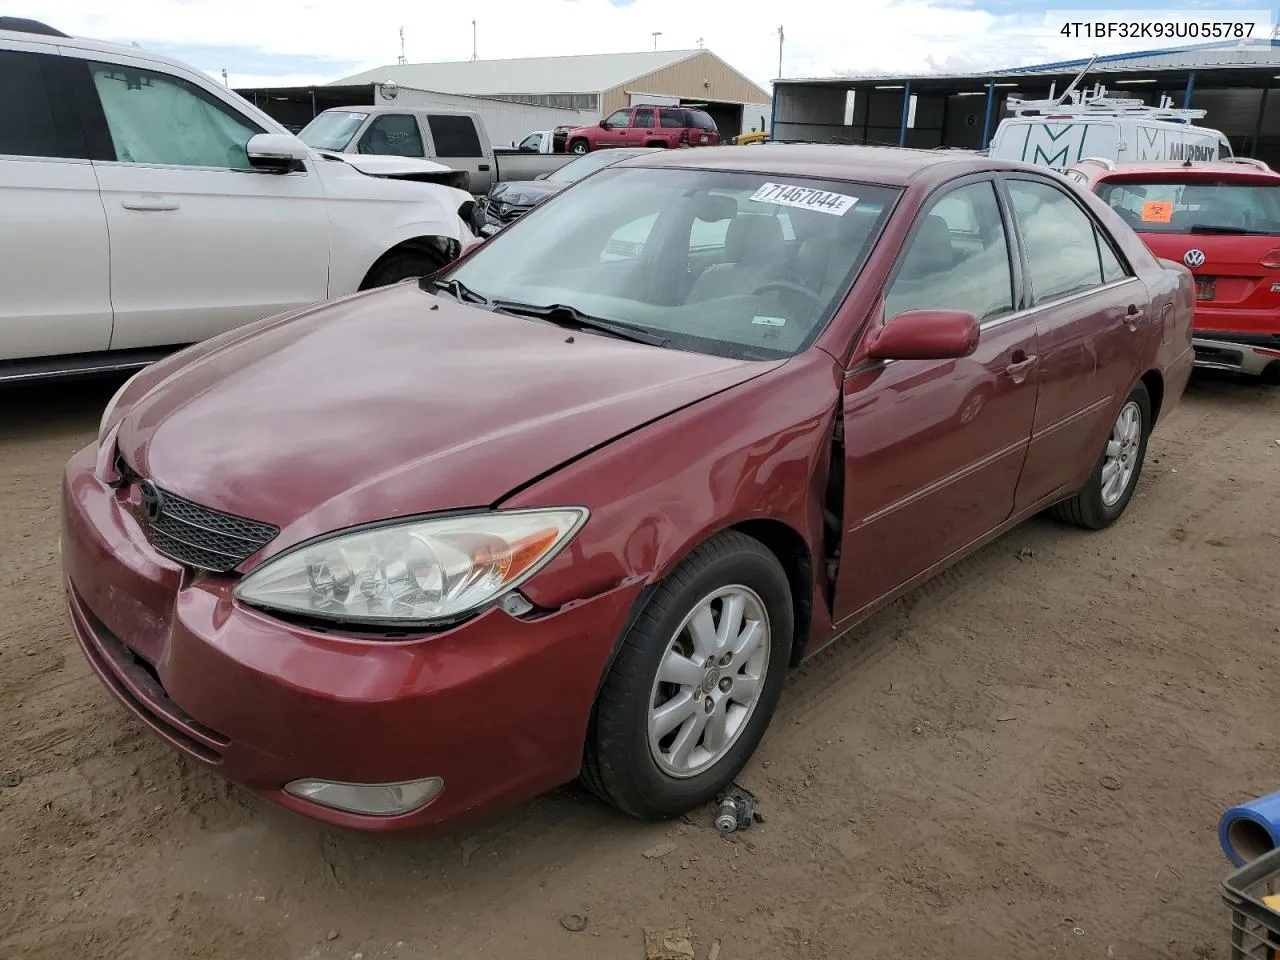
[(673, 118), (701, 120), (1202, 206)]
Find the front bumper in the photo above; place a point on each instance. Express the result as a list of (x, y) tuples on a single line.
[(1249, 354), (497, 708)]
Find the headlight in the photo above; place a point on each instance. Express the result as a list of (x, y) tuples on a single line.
[(423, 571), (111, 404)]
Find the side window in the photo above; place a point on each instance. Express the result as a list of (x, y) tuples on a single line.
[(618, 119), (454, 136), (957, 257), (672, 119), (393, 135), (1112, 268), (532, 143), (26, 118), (644, 118), (1060, 240), (160, 119), (702, 120)]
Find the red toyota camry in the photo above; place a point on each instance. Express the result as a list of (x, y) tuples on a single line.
[(574, 505)]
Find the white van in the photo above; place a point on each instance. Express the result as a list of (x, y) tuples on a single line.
[(1057, 135)]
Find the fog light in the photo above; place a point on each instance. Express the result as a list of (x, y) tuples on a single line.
[(371, 799)]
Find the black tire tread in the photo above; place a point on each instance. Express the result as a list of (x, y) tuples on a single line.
[(605, 731)]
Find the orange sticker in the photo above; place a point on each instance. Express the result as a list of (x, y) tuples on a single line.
[(1157, 211)]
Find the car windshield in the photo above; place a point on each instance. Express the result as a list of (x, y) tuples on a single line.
[(1198, 206), (575, 170), (332, 131), (743, 265)]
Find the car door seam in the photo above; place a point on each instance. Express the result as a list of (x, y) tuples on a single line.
[(1081, 414)]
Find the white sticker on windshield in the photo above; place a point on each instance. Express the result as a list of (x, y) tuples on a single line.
[(770, 321), (805, 198)]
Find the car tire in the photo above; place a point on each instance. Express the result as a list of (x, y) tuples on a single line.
[(631, 758), (402, 265), (579, 147), (1104, 498), (660, 144), (1271, 374)]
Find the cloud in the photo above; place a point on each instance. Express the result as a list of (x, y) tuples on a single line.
[(328, 39)]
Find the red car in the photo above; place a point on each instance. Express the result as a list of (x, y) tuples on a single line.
[(647, 126), (1222, 219), (575, 504)]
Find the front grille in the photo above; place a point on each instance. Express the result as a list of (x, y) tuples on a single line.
[(197, 536)]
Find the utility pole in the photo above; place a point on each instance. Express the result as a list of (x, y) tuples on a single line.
[(781, 37), (699, 43), (656, 35), (402, 59), (474, 55), (224, 77)]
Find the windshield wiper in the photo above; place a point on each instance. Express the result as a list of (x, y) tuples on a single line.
[(566, 316), (1211, 228), (460, 291)]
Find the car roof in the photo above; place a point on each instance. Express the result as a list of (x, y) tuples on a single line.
[(1201, 170), (86, 46), (889, 166)]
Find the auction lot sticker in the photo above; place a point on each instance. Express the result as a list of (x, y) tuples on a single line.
[(804, 198)]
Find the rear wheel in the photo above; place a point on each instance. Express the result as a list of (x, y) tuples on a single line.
[(660, 144), (1115, 475), (1271, 373), (695, 682), (579, 147)]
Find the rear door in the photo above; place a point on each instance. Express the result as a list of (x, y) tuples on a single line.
[(1092, 320), (642, 127), (456, 143), (55, 282), (934, 448)]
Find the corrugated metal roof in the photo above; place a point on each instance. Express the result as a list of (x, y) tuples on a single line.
[(593, 73), (1216, 56)]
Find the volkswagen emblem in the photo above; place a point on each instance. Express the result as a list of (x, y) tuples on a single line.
[(1193, 258), (152, 501)]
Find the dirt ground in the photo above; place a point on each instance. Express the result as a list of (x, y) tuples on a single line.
[(1026, 758)]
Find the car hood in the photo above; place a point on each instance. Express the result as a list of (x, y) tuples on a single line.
[(524, 193), (383, 166), (397, 402)]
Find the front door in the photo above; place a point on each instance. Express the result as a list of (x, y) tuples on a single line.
[(200, 241), (613, 132), (1091, 317), (934, 447), (55, 284)]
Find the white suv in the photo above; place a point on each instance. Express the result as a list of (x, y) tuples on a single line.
[(144, 207)]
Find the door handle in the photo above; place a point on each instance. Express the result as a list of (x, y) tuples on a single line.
[(1132, 316), (149, 201), (1019, 369), (484, 168)]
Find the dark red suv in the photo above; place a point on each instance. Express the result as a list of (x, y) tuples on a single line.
[(647, 126)]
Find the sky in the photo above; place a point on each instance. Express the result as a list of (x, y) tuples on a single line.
[(315, 41)]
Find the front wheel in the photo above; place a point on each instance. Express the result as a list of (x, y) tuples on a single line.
[(579, 147), (695, 682), (1115, 475)]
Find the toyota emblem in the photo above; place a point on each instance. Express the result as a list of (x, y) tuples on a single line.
[(152, 502), (1193, 258)]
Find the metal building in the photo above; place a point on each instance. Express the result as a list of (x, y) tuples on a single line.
[(1231, 81), (598, 83)]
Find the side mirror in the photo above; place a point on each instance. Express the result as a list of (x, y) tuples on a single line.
[(604, 124), (927, 335), (276, 152)]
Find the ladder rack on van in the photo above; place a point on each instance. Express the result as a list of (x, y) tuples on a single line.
[(1096, 103)]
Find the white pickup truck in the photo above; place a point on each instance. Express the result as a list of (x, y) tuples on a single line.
[(455, 138)]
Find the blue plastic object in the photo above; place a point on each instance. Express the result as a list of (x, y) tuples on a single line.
[(1251, 829)]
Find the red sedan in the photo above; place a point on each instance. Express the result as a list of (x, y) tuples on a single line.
[(574, 505), (1222, 219)]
